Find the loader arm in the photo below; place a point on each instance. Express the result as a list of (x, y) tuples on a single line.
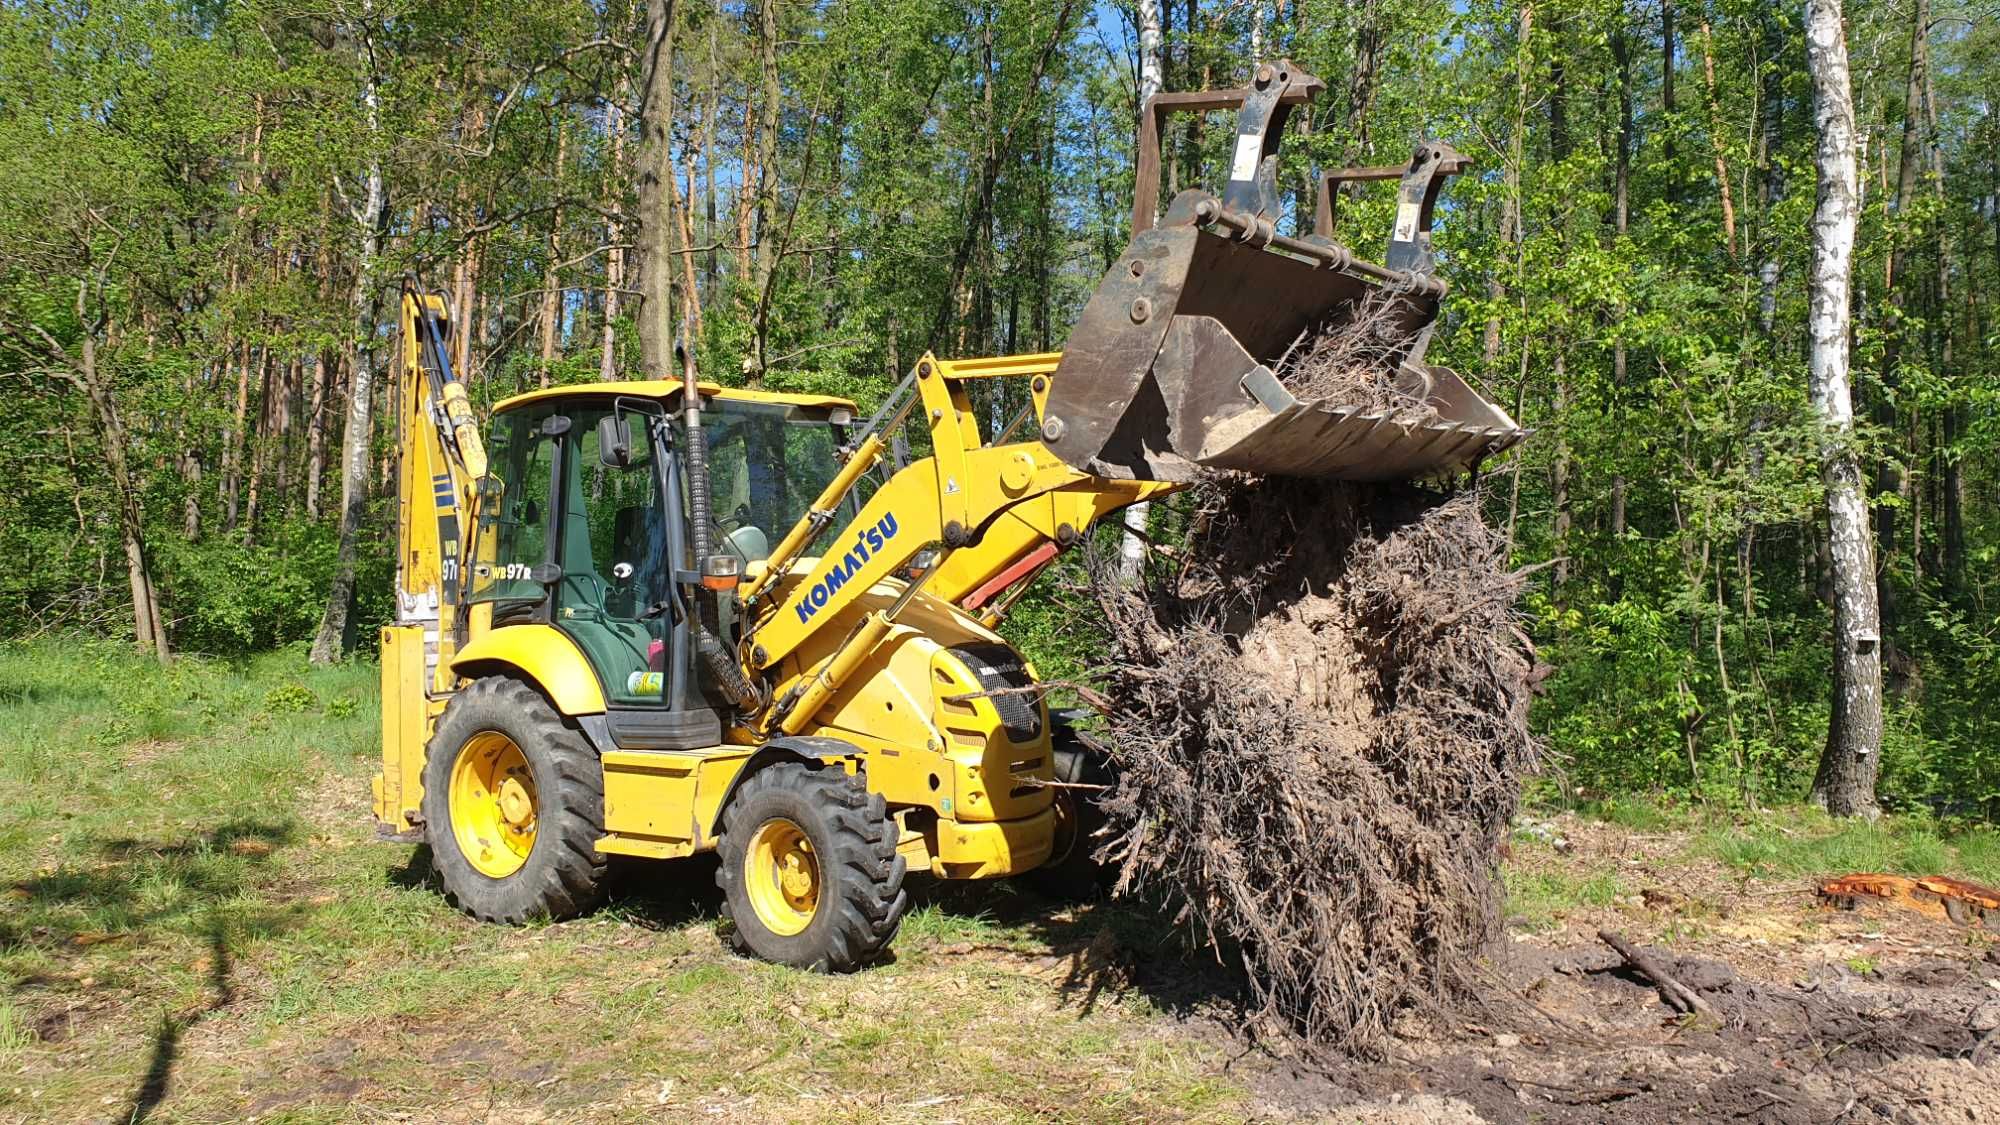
[(992, 510)]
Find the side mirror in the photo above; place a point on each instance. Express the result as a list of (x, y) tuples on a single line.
[(614, 442)]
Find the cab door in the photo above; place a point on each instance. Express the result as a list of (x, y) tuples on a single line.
[(618, 535)]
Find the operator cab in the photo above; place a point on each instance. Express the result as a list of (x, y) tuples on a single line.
[(583, 524)]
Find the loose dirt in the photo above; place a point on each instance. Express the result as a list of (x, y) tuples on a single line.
[(1820, 1015)]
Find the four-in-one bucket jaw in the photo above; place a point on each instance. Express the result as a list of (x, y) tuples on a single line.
[(1170, 369)]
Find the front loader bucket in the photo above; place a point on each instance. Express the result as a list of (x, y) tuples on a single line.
[(1169, 371), (1172, 368)]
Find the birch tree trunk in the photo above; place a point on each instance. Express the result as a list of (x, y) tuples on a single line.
[(330, 642), (1845, 782), (1132, 548)]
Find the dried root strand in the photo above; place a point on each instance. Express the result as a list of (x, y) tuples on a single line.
[(1354, 359)]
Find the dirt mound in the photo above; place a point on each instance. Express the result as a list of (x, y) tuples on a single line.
[(1319, 715)]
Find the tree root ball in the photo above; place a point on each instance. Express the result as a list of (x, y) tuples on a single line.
[(1318, 711)]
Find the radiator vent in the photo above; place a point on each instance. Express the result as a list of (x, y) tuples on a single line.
[(997, 667)]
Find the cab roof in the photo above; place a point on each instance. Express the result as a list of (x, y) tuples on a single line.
[(671, 388)]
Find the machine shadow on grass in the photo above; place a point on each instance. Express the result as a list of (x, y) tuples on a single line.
[(116, 898), (116, 895), (1114, 947), (650, 894), (1108, 947)]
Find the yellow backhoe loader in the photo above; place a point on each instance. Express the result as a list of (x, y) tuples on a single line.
[(663, 617)]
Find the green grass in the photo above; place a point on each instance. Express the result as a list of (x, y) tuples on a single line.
[(1806, 843), (1540, 899), (198, 923)]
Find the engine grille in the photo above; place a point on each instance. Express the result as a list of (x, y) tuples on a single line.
[(998, 667)]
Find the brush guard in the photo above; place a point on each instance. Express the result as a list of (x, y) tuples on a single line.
[(1169, 371)]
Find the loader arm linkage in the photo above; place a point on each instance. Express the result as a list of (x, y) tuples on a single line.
[(996, 512)]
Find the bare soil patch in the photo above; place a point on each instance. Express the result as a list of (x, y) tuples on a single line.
[(1819, 1014)]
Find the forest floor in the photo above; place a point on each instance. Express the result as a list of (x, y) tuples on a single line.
[(197, 923)]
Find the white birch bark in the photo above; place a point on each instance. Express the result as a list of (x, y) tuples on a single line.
[(331, 638), (1845, 782), (1132, 548)]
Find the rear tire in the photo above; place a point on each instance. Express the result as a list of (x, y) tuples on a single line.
[(513, 806), (810, 876)]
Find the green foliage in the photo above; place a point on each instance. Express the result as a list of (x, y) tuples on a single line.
[(181, 236), (289, 699)]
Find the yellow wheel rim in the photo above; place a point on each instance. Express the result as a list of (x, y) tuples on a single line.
[(493, 804), (782, 875)]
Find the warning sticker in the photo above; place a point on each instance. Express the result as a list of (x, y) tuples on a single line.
[(1249, 150), (1407, 213)]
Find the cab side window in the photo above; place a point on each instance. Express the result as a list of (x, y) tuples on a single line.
[(514, 509)]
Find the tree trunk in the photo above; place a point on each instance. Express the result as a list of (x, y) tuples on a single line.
[(1132, 547), (552, 291), (323, 367), (1889, 482), (1715, 140), (1845, 781), (691, 298), (711, 131), (268, 390), (614, 261), (330, 642), (1667, 98), (1952, 475), (656, 176), (1621, 204), (767, 145), (746, 200), (148, 630), (232, 457)]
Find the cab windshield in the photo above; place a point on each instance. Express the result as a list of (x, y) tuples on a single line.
[(767, 462)]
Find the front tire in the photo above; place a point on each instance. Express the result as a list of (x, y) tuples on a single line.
[(513, 806), (1071, 874), (810, 876)]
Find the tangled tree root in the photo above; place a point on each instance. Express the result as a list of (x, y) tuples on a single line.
[(1320, 724), (1354, 359)]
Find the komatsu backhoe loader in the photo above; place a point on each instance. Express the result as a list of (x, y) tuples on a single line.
[(663, 617)]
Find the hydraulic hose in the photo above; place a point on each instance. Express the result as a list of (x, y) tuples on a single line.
[(721, 664)]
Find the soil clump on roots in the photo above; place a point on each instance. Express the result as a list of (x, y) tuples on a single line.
[(1318, 713)]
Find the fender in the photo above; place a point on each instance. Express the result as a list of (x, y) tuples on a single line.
[(541, 655), (807, 749)]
